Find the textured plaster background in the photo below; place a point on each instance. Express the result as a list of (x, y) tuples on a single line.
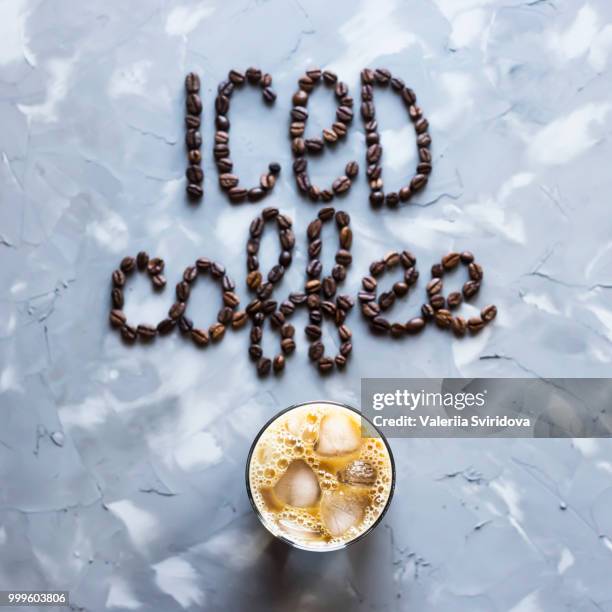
[(121, 469)]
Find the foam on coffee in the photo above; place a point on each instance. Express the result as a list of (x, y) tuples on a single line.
[(315, 480)]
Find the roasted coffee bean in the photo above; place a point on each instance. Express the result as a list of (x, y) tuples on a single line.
[(341, 185), (475, 271), (340, 361), (228, 284), (299, 113), (325, 365), (344, 257), (488, 313), (475, 324), (405, 194), (470, 289), (176, 310), (165, 326), (182, 291), (408, 96), (225, 165), (382, 76), (221, 151), (415, 325), (369, 283), (222, 122), (239, 319), (434, 286), (237, 194), (285, 258), (231, 299), (340, 317), (118, 278), (370, 310), (314, 229), (193, 104), (454, 299), (342, 219), (192, 83), (283, 221), (326, 213), (366, 296), (341, 89), (397, 330), (424, 168), (300, 98), (222, 104), (217, 270), (374, 153), (314, 268), (314, 248), (427, 311), (329, 136), (392, 259), (268, 306), (298, 298), (344, 114), (255, 194), (423, 140), (236, 77), (287, 239), (185, 324), (227, 181), (117, 318), (377, 199), (193, 139), (279, 363), (203, 264), (437, 271), (368, 110), (216, 331), (142, 259), (192, 122), (345, 302), (128, 333), (267, 181), (421, 125), (451, 261), (128, 265), (380, 324), (314, 193), (190, 274), (314, 145), (345, 333), (313, 331), (392, 199), (277, 319), (367, 76), (200, 337), (346, 348), (437, 301), (377, 268), (159, 281), (287, 345), (400, 289), (287, 307), (255, 352), (411, 275), (194, 191), (221, 137), (467, 257), (263, 366), (459, 326), (397, 83), (256, 334), (194, 174), (338, 273), (268, 95), (443, 318), (117, 298), (386, 300), (340, 129), (418, 182), (328, 286)]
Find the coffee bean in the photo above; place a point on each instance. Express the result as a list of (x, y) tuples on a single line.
[(268, 306), (117, 318), (367, 76), (342, 219), (344, 257), (298, 298), (418, 182), (268, 95), (255, 352), (263, 366), (470, 289), (397, 330), (193, 139), (313, 331), (392, 198), (451, 260), (128, 265), (314, 248), (221, 151), (193, 104), (216, 331), (346, 348), (314, 268), (159, 281), (328, 286), (192, 83), (421, 125), (392, 259), (369, 283), (287, 345), (279, 363), (185, 324), (368, 110), (314, 145), (454, 299), (192, 122), (434, 286), (176, 310), (194, 191), (345, 302), (377, 199), (194, 174), (437, 301), (344, 114), (459, 326), (427, 311), (344, 332), (437, 271), (488, 313), (386, 300), (374, 153), (239, 319), (118, 278), (411, 275), (370, 309), (415, 325), (217, 270), (299, 113), (423, 140), (405, 194), (182, 291), (142, 259), (225, 165), (287, 239), (237, 194), (267, 181), (475, 324), (128, 333), (200, 337), (400, 289), (380, 324), (377, 268), (227, 181), (338, 273), (165, 326), (329, 77), (255, 194), (341, 184), (231, 299), (325, 365), (475, 271), (117, 298), (190, 274)]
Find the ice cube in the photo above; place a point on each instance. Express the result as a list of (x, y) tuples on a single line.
[(338, 435), (296, 421), (358, 473), (297, 531), (341, 510), (298, 486)]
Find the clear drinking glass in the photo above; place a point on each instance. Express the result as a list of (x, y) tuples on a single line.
[(369, 432)]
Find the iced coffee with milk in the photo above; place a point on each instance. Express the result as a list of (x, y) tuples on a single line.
[(317, 479)]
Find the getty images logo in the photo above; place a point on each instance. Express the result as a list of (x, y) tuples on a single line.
[(413, 400)]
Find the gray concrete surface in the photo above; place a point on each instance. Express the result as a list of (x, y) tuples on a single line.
[(121, 469)]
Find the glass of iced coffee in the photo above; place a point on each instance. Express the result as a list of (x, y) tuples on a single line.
[(320, 476)]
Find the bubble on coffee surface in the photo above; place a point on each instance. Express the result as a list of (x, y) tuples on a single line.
[(319, 443)]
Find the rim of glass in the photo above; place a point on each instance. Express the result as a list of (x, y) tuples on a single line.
[(287, 540)]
